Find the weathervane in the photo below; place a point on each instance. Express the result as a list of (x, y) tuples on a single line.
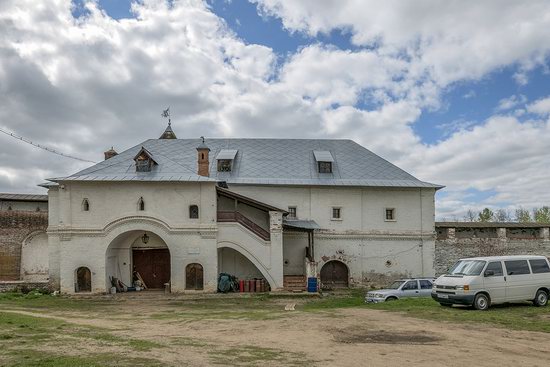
[(166, 114)]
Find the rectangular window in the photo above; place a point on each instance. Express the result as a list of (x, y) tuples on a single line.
[(336, 213), (425, 284), (410, 285), (390, 214), (224, 165), (517, 267), (292, 212), (539, 266), (496, 268), (325, 167)]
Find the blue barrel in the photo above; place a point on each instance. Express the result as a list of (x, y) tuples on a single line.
[(312, 284)]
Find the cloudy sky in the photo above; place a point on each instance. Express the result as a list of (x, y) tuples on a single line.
[(456, 92)]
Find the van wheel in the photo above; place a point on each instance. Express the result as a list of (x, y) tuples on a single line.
[(481, 302), (391, 299), (446, 304), (541, 298)]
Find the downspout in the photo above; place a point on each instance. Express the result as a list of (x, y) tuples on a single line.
[(421, 233)]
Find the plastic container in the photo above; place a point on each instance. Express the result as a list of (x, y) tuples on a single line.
[(312, 284)]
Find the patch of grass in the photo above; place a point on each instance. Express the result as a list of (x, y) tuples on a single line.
[(37, 300), (341, 299), (523, 316), (36, 358), (256, 356), (188, 342)]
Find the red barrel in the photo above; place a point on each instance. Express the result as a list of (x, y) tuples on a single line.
[(258, 285), (241, 286), (251, 284), (246, 286)]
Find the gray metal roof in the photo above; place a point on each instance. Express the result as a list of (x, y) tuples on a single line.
[(323, 156), (259, 161), (301, 224), (23, 197), (227, 154)]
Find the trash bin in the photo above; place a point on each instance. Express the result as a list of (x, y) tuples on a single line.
[(312, 284), (167, 287)]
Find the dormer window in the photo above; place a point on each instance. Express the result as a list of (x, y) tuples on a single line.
[(225, 160), (144, 161), (224, 165), (324, 161)]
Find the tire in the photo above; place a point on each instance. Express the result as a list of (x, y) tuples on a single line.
[(481, 302), (449, 305), (541, 298), (391, 299)]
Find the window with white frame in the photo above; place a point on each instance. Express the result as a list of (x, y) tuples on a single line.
[(390, 214), (292, 212), (336, 213)]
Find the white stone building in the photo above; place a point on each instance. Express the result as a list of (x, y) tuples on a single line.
[(184, 210)]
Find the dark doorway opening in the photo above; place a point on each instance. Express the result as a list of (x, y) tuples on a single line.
[(334, 274), (194, 277), (83, 280), (153, 265)]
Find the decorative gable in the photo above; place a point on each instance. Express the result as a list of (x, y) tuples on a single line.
[(144, 161)]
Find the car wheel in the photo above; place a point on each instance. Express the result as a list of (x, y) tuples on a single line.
[(481, 302), (391, 299), (541, 298), (446, 304)]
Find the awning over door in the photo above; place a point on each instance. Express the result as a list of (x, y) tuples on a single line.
[(300, 224)]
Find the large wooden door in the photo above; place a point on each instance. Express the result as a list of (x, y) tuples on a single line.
[(334, 274), (194, 278), (153, 266)]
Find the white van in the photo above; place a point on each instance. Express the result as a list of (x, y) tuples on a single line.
[(485, 281)]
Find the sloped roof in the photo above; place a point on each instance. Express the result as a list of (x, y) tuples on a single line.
[(259, 161), (23, 197)]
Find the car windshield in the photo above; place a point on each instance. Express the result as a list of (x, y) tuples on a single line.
[(467, 267), (396, 284)]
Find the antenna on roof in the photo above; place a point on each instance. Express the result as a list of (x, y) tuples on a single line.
[(166, 114)]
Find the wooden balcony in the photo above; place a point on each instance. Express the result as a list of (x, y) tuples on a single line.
[(235, 216)]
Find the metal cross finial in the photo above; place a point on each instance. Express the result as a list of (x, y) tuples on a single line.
[(202, 137)]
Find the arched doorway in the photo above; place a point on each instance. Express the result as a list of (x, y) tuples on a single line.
[(139, 251), (334, 274), (242, 265), (194, 277), (83, 280)]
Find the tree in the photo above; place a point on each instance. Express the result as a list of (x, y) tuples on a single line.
[(486, 215), (542, 215), (502, 215), (470, 216), (523, 215)]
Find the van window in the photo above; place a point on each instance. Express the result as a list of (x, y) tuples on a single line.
[(468, 267), (411, 284), (539, 266), (425, 284), (517, 267), (496, 267)]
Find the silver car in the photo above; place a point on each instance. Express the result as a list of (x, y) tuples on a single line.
[(402, 288)]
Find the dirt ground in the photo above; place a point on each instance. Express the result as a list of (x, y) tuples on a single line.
[(197, 336)]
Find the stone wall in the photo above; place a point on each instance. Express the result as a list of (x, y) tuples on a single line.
[(15, 227), (459, 240)]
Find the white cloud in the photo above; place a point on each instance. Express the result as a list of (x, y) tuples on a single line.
[(506, 104), (540, 107)]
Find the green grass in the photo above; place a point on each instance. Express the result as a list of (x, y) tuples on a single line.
[(523, 316), (257, 356), (38, 301)]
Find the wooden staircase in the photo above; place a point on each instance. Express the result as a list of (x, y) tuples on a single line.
[(294, 283)]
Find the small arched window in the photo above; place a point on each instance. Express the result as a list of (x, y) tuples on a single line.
[(193, 212), (85, 205), (83, 280), (141, 204), (9, 208)]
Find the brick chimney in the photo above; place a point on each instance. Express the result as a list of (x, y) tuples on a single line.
[(110, 153), (203, 162)]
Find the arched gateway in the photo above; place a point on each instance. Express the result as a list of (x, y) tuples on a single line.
[(138, 254)]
